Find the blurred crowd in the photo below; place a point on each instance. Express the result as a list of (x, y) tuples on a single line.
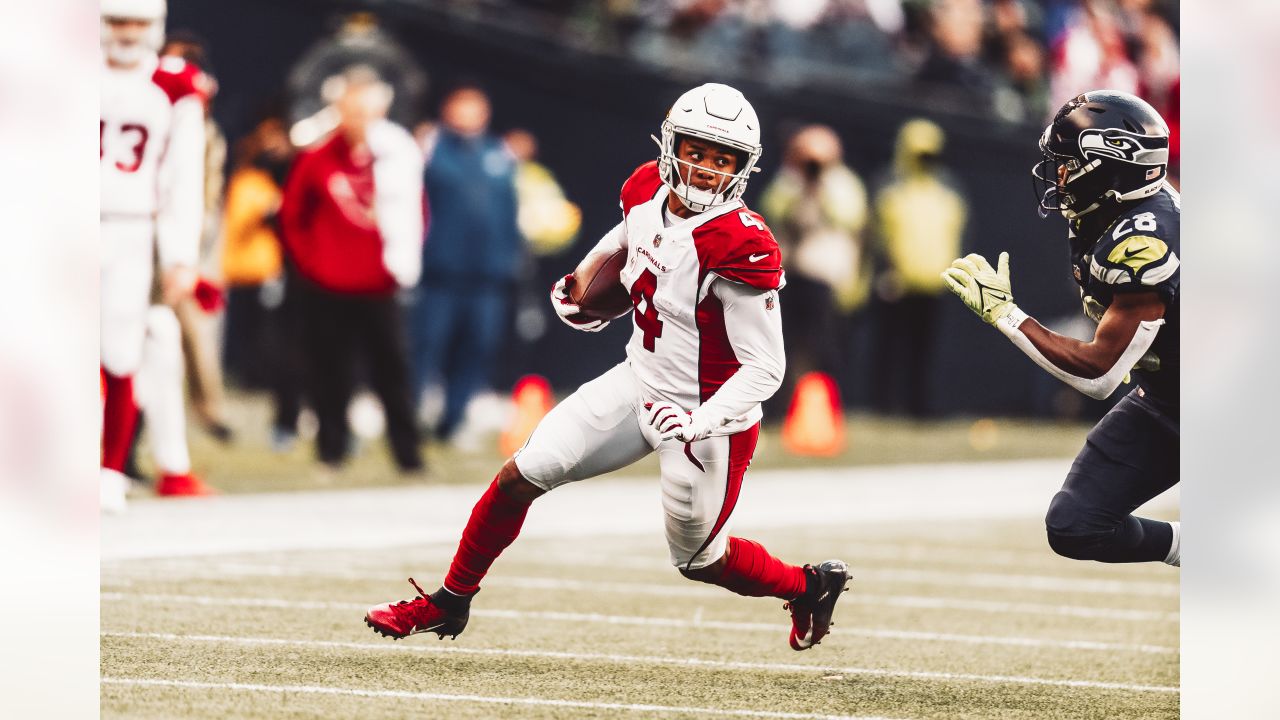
[(1018, 59), (408, 285)]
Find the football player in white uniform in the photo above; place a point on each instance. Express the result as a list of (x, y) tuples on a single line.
[(151, 135), (703, 272)]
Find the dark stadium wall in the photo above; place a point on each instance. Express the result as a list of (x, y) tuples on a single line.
[(576, 104)]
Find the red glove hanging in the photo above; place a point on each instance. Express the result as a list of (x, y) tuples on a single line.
[(208, 295)]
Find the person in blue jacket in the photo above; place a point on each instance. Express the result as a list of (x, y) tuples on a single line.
[(471, 256)]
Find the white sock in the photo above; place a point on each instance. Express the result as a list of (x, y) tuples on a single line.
[(1174, 557)]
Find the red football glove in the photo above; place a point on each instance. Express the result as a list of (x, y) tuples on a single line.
[(208, 296)]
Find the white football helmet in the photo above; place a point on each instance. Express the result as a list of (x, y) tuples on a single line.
[(719, 114), (129, 51)]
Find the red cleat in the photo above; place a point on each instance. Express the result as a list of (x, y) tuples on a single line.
[(811, 612), (185, 484), (419, 615)]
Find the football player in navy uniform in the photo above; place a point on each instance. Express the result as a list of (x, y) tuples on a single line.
[(1104, 166)]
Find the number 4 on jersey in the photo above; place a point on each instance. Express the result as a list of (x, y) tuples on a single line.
[(644, 289)]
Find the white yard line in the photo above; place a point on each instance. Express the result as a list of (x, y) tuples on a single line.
[(169, 569), (645, 621), (1003, 581), (443, 697), (660, 660), (1084, 611), (1048, 583)]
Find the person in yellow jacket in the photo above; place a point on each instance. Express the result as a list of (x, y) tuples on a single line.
[(817, 206), (548, 221), (257, 349), (920, 222)]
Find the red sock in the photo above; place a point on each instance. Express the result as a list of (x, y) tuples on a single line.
[(119, 417), (495, 522), (752, 571)]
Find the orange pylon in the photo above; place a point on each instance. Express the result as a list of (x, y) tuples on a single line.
[(814, 424), (532, 400)]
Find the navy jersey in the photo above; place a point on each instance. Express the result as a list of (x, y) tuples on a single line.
[(1136, 250)]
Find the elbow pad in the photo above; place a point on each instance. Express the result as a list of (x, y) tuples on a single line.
[(1100, 387)]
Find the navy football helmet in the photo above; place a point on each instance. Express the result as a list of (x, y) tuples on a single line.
[(1103, 144)]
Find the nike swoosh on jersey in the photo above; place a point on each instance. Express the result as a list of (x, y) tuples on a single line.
[(758, 258)]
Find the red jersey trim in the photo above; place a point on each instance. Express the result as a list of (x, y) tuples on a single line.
[(738, 246), (641, 187), (716, 359), (742, 446)]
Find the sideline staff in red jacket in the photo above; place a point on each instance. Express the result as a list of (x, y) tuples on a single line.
[(352, 220)]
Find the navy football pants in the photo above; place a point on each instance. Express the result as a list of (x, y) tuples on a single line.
[(1129, 457)]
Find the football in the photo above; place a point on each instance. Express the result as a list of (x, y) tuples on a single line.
[(596, 288)]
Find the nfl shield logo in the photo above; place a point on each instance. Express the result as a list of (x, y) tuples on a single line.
[(768, 302), (657, 240)]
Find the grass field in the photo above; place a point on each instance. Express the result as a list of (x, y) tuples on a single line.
[(251, 606)]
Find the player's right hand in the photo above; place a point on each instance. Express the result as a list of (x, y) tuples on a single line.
[(984, 289), (565, 307)]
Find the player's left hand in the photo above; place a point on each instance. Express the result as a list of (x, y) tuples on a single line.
[(673, 423), (984, 289)]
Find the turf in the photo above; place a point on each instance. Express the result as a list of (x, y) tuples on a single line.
[(608, 622)]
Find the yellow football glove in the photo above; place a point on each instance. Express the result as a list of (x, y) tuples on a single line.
[(983, 288)]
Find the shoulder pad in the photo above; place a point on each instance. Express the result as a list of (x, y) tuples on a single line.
[(640, 187), (1135, 254), (739, 246), (179, 79)]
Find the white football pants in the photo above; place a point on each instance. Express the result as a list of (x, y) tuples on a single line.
[(125, 292), (603, 426), (159, 390)]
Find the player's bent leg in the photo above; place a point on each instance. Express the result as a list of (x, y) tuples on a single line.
[(494, 524), (592, 432), (1129, 457), (701, 483), (583, 436), (1081, 531)]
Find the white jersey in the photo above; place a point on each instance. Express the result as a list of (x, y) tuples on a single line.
[(705, 304), (151, 152)]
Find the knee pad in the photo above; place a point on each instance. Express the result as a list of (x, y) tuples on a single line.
[(1069, 531)]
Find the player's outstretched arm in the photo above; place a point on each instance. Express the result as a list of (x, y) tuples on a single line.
[(1120, 325), (1095, 368)]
